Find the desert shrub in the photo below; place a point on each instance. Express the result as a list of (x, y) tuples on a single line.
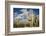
[(27, 25), (19, 25), (36, 22)]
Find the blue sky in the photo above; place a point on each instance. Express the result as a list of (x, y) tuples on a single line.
[(17, 10)]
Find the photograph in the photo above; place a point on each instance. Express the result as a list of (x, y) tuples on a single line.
[(25, 17)]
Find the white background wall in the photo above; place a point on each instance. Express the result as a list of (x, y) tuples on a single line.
[(2, 18)]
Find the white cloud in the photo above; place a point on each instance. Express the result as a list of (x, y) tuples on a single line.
[(27, 12), (31, 11), (24, 10)]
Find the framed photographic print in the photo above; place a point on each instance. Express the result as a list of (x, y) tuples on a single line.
[(24, 18)]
